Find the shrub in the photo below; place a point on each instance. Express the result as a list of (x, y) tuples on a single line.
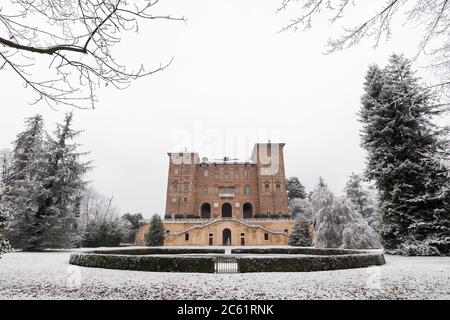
[(146, 251), (311, 263), (300, 235), (145, 263), (179, 217), (105, 233), (291, 251), (416, 248), (155, 234)]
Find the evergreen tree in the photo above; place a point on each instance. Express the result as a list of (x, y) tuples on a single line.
[(300, 235), (405, 152), (44, 190), (4, 219), (103, 233), (300, 207), (364, 201), (64, 185), (295, 189), (24, 187), (156, 233), (133, 222)]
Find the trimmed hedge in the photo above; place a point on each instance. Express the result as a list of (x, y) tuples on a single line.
[(144, 263), (160, 251), (305, 251), (307, 264)]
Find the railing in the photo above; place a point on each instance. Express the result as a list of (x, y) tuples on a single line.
[(226, 265), (226, 195), (189, 220)]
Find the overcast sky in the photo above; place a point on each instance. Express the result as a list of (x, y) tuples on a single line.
[(234, 81)]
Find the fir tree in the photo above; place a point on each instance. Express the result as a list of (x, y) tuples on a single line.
[(24, 187), (44, 189), (156, 233), (64, 185), (295, 189), (300, 235), (405, 152)]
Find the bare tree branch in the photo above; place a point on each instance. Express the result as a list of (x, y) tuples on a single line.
[(79, 36)]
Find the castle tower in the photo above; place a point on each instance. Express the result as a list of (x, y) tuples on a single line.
[(272, 189), (181, 183)]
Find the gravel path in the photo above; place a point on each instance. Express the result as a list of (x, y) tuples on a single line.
[(49, 276)]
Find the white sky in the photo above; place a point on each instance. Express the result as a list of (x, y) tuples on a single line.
[(233, 81)]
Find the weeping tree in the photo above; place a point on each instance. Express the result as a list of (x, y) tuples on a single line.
[(430, 18), (338, 224), (65, 50), (156, 232)]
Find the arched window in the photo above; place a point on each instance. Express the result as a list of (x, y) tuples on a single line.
[(227, 210), (205, 211), (248, 210)]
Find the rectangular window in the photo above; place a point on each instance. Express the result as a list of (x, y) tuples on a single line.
[(186, 237), (266, 236), (205, 190), (227, 175), (247, 173), (248, 190), (205, 173), (187, 170), (226, 190), (186, 187), (176, 170), (278, 187), (174, 187), (266, 187), (185, 200)]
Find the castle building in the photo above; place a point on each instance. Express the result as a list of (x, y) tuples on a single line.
[(226, 202)]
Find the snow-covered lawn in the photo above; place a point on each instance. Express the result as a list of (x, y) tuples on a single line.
[(50, 276)]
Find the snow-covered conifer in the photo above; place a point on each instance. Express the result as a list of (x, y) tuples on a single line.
[(155, 234), (301, 235), (295, 189), (405, 158)]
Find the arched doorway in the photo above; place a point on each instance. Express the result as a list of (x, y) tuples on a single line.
[(205, 211), (227, 210), (226, 236), (248, 210)]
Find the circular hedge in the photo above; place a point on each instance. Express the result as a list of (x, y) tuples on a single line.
[(247, 260)]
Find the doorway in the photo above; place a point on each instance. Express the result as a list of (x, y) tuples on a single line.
[(226, 236)]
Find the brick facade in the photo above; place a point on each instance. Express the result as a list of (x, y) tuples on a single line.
[(248, 198)]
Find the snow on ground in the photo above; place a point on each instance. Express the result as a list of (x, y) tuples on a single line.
[(49, 275)]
